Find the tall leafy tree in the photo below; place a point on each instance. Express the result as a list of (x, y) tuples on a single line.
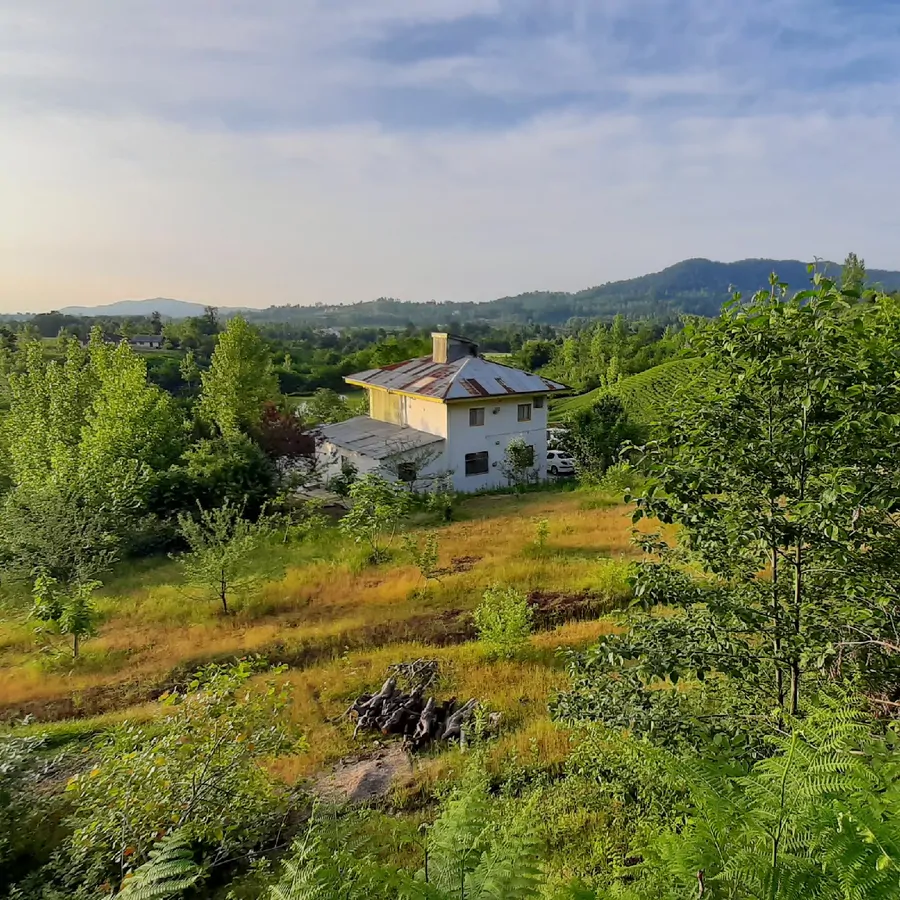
[(83, 440), (240, 379), (90, 417), (597, 433), (781, 475)]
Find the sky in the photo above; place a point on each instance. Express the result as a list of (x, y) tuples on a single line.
[(258, 152)]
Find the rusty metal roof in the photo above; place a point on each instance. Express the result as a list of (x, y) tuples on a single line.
[(376, 439), (465, 379)]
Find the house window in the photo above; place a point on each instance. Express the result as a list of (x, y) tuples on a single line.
[(538, 402), (406, 471), (477, 463), (476, 415), (524, 412)]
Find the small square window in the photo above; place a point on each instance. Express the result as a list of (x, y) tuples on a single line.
[(476, 415), (538, 402), (477, 463), (407, 472), (524, 412)]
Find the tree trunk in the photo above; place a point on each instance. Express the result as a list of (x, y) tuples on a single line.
[(223, 593), (774, 493), (798, 573), (776, 617), (798, 596), (76, 645)]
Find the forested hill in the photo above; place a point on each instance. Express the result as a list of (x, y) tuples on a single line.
[(698, 286)]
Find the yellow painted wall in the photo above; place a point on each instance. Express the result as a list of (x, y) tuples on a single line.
[(400, 409), (385, 407)]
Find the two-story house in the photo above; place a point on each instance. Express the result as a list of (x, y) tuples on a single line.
[(453, 411)]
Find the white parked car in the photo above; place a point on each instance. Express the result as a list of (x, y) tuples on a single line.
[(560, 463)]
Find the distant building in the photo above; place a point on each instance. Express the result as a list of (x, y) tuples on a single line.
[(147, 341), (454, 411)]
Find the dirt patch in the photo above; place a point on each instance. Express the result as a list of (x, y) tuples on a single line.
[(453, 626), (463, 563), (364, 779), (458, 565), (552, 608)]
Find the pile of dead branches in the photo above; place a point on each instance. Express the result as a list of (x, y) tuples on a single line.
[(420, 721), (421, 673)]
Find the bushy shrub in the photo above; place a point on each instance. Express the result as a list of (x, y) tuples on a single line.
[(503, 620), (197, 769), (378, 508)]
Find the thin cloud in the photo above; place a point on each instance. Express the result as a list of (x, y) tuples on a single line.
[(269, 152)]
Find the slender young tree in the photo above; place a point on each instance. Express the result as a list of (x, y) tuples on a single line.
[(222, 543), (378, 506), (189, 370), (67, 607)]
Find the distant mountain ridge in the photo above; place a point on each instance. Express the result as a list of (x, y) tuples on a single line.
[(696, 286), (173, 309)]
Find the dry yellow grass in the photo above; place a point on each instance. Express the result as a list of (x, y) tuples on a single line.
[(341, 624), (153, 627), (517, 689)]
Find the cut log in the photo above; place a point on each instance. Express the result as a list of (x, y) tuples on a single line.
[(425, 723), (457, 720), (409, 707), (393, 711), (387, 691), (357, 705)]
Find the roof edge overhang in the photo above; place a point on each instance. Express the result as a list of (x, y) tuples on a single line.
[(377, 387)]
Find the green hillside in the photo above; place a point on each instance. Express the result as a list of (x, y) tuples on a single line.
[(696, 286), (647, 396)]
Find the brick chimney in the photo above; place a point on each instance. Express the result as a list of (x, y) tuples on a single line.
[(448, 348)]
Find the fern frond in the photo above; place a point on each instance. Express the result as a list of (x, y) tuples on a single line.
[(168, 873), (305, 875), (511, 869), (461, 834)]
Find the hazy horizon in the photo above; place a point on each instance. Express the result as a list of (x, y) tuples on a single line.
[(272, 152)]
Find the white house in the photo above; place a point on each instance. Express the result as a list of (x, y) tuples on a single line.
[(453, 411), (147, 341)]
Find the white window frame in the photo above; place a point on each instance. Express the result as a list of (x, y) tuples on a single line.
[(473, 410), (527, 408)]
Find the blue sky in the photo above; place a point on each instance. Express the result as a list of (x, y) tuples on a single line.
[(296, 151)]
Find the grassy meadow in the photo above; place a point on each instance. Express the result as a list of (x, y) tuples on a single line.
[(338, 623)]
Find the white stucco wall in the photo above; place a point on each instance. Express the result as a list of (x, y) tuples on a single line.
[(329, 458), (498, 430), (451, 420)]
